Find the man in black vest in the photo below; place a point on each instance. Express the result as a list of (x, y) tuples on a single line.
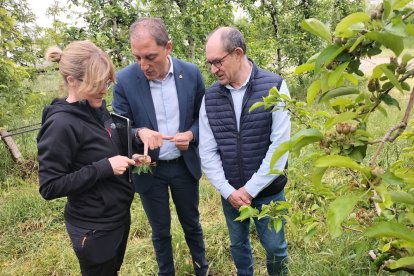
[(236, 146)]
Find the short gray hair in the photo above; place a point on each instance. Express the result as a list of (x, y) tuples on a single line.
[(231, 38)]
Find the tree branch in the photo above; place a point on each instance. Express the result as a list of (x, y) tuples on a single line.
[(390, 136), (401, 80)]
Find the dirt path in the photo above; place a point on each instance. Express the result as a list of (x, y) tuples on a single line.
[(368, 64)]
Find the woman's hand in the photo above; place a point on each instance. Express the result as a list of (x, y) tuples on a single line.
[(120, 164), (141, 159)]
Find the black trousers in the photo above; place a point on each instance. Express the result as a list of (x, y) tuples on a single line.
[(174, 176), (100, 252)]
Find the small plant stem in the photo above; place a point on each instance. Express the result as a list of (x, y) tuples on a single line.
[(401, 80), (398, 129), (352, 229), (376, 205), (298, 118), (407, 15)]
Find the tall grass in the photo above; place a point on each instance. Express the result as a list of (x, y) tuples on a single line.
[(33, 239)]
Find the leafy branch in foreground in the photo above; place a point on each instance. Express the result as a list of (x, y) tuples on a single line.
[(372, 197), (143, 164)]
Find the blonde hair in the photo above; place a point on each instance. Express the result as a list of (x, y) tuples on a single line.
[(85, 62)]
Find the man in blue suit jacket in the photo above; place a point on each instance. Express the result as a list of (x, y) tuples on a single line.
[(162, 96)]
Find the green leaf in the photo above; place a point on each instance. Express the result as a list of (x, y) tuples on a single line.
[(317, 176), (351, 78), (390, 101), (327, 55), (410, 29), (143, 168), (256, 105), (299, 140), (316, 27), (387, 9), (277, 224), (399, 4), (306, 67), (342, 117), (405, 86), (304, 137), (279, 152), (390, 230), (389, 40), (358, 154), (335, 76), (343, 27), (403, 262), (382, 191), (341, 161), (310, 231), (246, 211), (313, 90), (338, 211), (341, 91), (401, 197), (342, 102), (356, 43), (391, 77), (410, 217), (382, 110), (391, 179)]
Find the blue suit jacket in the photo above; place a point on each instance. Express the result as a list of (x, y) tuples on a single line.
[(132, 98)]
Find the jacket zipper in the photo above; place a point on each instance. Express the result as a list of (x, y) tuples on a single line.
[(238, 142)]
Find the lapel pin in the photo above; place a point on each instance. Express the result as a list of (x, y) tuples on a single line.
[(180, 76)]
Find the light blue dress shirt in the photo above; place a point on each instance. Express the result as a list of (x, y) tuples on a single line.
[(165, 99), (210, 157)]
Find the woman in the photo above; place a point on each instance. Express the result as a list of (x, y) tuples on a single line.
[(80, 158)]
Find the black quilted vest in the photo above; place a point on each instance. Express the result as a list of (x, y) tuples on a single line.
[(242, 152)]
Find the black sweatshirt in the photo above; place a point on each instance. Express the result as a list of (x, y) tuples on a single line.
[(74, 145)]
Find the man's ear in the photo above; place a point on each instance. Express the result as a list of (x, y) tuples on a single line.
[(239, 52), (169, 46)]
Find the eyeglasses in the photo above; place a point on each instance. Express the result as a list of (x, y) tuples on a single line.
[(218, 62)]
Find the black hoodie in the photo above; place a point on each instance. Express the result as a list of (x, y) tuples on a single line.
[(74, 145)]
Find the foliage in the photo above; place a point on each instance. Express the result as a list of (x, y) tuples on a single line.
[(189, 26), (107, 25), (288, 43), (379, 200), (13, 55)]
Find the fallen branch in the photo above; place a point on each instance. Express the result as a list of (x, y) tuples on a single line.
[(11, 146)]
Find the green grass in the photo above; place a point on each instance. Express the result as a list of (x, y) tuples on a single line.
[(33, 239)]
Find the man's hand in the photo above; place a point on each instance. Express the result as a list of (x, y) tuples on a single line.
[(120, 163), (151, 139), (239, 198), (182, 140)]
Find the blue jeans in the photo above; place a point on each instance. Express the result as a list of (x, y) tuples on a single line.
[(240, 248)]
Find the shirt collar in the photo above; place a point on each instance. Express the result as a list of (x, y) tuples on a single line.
[(171, 70), (169, 73), (228, 86)]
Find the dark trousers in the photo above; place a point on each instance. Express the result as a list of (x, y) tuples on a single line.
[(100, 253), (184, 191)]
